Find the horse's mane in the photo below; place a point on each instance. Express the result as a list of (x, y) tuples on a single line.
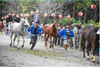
[(54, 28)]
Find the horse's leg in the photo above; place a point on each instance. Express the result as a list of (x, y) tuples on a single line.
[(46, 39), (83, 48), (11, 39), (93, 55), (53, 42), (23, 41), (14, 39), (45, 35), (87, 49), (18, 41), (1, 31), (51, 45)]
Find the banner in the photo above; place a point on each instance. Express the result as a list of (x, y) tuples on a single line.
[(35, 18)]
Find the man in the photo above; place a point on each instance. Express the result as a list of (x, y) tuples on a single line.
[(68, 33), (75, 29), (7, 28), (57, 39), (75, 38), (35, 30)]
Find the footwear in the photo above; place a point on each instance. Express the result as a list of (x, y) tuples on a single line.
[(31, 49)]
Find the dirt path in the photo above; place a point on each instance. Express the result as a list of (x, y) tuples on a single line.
[(40, 56)]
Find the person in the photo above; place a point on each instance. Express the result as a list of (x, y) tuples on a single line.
[(57, 39), (68, 33), (7, 28), (35, 30), (75, 29), (81, 24), (75, 38)]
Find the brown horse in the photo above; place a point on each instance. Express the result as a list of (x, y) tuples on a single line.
[(89, 35), (50, 31), (1, 26)]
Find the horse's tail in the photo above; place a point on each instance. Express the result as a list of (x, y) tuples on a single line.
[(83, 40)]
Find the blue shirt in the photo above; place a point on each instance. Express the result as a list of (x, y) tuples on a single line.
[(63, 32), (32, 30), (6, 25)]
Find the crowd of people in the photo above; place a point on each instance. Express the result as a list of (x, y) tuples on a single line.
[(64, 36)]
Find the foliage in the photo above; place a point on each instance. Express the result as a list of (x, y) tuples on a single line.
[(50, 21), (85, 24), (24, 5), (85, 5), (77, 22), (2, 3), (97, 24), (31, 18), (90, 21), (64, 20)]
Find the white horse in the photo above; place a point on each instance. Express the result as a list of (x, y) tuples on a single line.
[(18, 30)]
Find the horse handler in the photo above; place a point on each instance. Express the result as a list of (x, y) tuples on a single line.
[(35, 30), (68, 33)]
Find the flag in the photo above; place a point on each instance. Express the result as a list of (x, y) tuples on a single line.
[(35, 18)]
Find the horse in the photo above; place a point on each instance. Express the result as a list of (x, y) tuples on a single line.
[(90, 37), (1, 26), (18, 30), (50, 31)]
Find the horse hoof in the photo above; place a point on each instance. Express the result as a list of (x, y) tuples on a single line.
[(93, 61), (22, 46), (91, 58), (50, 46), (65, 48), (31, 49), (10, 44)]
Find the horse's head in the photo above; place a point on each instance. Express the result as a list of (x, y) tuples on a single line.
[(25, 22), (56, 24)]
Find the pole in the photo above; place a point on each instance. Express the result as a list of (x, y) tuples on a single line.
[(74, 39), (80, 41)]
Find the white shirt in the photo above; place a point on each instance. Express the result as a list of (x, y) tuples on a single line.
[(75, 30)]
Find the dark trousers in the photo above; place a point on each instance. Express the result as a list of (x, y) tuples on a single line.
[(57, 39), (6, 31), (33, 41)]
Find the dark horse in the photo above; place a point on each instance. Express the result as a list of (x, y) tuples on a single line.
[(89, 35), (50, 31), (1, 26)]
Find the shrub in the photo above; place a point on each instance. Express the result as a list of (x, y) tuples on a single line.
[(90, 21)]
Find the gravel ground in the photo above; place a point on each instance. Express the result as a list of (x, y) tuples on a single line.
[(40, 56)]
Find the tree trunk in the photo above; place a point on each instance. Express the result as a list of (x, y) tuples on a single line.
[(1, 11), (85, 17), (79, 18), (73, 14), (95, 15)]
